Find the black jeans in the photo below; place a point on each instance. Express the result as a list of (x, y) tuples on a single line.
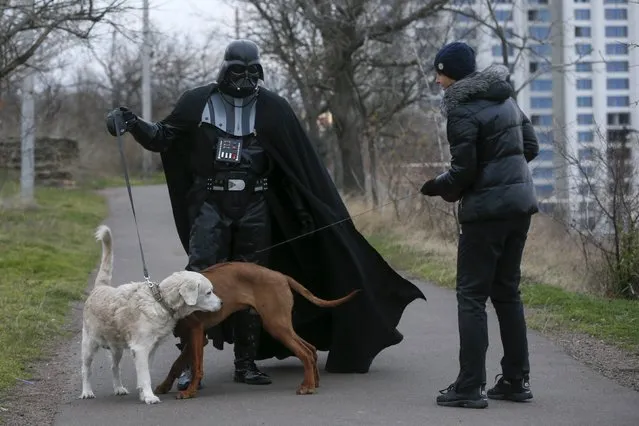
[(488, 265)]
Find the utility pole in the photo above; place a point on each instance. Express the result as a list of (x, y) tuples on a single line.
[(27, 130), (146, 82)]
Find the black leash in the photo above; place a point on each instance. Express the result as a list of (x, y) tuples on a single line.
[(118, 119), (336, 223)]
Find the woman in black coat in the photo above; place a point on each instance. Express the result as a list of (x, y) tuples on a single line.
[(491, 142)]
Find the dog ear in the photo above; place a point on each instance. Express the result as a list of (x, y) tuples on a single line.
[(189, 291)]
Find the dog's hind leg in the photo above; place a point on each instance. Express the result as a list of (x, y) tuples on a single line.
[(141, 353), (287, 336), (116, 357), (89, 348), (313, 350)]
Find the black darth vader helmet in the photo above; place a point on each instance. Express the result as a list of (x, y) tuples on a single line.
[(241, 69)]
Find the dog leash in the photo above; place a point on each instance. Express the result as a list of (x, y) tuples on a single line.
[(116, 121), (153, 286), (336, 223)]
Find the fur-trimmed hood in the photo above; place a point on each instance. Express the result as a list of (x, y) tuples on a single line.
[(491, 84)]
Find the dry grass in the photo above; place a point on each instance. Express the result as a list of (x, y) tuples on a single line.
[(558, 291), (552, 255)]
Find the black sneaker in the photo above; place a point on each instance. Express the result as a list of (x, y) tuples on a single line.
[(251, 375), (475, 398), (517, 390)]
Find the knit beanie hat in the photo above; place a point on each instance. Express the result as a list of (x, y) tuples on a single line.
[(455, 60)]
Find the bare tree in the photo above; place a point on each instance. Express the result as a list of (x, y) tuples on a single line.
[(43, 26), (606, 193), (335, 49)]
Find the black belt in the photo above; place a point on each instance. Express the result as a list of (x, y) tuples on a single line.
[(236, 184)]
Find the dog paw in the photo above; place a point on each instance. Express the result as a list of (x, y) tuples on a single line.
[(305, 390), (121, 391), (87, 395), (184, 395), (151, 399)]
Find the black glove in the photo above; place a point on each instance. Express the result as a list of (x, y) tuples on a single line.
[(428, 188), (124, 118)]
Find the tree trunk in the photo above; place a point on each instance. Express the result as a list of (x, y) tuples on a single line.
[(348, 128)]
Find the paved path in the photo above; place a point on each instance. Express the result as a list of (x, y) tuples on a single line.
[(399, 390)]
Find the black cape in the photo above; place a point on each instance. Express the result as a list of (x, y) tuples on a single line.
[(330, 262)]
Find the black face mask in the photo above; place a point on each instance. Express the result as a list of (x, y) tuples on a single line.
[(242, 79)]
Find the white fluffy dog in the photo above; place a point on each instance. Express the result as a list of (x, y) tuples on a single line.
[(137, 317)]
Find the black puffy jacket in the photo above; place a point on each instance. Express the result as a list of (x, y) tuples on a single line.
[(491, 142)]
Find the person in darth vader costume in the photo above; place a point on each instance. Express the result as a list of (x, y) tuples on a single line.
[(243, 180)]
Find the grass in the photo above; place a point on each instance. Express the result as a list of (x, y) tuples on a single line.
[(549, 308), (107, 181), (46, 255)]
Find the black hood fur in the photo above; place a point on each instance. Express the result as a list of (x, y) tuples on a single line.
[(490, 84)]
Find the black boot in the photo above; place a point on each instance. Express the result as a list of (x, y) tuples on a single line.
[(246, 330)]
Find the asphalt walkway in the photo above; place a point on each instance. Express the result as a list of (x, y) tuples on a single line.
[(399, 390)]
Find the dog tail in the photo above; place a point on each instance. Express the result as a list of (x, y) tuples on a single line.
[(103, 234), (306, 294)]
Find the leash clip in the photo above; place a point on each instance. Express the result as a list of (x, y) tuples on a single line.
[(148, 281)]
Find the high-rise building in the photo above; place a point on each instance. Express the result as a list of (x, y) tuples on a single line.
[(576, 65)]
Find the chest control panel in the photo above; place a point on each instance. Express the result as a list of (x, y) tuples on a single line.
[(229, 150)]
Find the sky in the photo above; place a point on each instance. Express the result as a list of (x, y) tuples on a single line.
[(195, 17)]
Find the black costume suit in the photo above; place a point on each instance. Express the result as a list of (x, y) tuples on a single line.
[(330, 262)]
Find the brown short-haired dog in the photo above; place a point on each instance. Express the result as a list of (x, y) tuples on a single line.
[(242, 285)]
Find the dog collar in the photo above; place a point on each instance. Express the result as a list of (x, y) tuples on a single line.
[(155, 290)]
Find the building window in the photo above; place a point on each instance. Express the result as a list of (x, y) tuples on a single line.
[(617, 135), (617, 83), (618, 101), (497, 50), (541, 120), (617, 66), (545, 138), (619, 119), (584, 101), (541, 85), (583, 67), (616, 14), (503, 15), (585, 137), (582, 32), (584, 84), (539, 15), (585, 119), (540, 102), (582, 1), (586, 154), (541, 67), (615, 1), (616, 49), (582, 14), (541, 49), (617, 31), (545, 155), (583, 49), (539, 33), (544, 190), (542, 172)]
